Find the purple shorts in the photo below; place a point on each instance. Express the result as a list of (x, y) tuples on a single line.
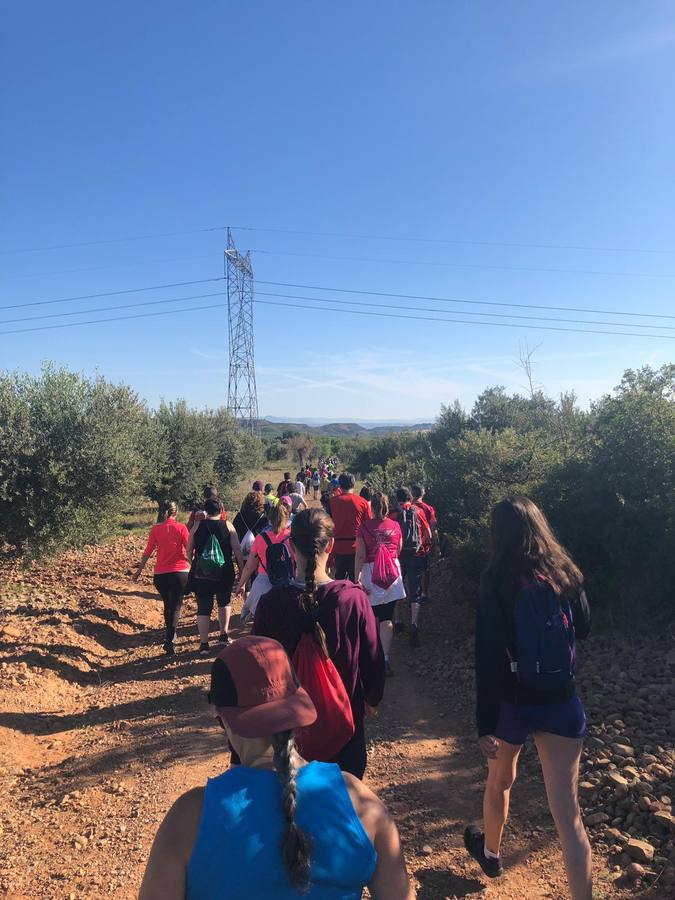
[(566, 719)]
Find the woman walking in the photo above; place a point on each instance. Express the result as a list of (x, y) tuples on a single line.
[(341, 612), (212, 544), (377, 568), (251, 519), (274, 826), (532, 607), (170, 539), (277, 532)]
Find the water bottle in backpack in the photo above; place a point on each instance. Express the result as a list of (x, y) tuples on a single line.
[(543, 654)]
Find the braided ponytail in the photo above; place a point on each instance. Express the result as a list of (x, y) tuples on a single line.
[(311, 532), (296, 847)]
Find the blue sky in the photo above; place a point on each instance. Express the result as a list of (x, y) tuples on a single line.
[(492, 123)]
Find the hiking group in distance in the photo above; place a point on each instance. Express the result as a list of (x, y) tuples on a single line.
[(326, 589)]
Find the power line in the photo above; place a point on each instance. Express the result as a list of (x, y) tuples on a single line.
[(609, 312), (459, 313), (138, 290), (460, 242), (454, 265), (355, 312), (342, 234), (102, 309), (115, 265), (85, 312), (464, 301), (167, 312), (116, 240), (358, 312)]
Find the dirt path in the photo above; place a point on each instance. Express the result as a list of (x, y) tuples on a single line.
[(99, 733)]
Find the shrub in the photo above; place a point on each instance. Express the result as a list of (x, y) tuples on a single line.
[(70, 457)]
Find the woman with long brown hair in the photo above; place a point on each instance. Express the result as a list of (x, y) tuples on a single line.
[(532, 608), (339, 615)]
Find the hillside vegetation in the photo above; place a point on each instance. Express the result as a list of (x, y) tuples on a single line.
[(76, 454), (605, 477), (285, 430)]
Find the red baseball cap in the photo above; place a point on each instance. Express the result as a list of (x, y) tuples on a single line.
[(256, 691)]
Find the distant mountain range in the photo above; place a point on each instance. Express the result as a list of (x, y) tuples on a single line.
[(272, 426)]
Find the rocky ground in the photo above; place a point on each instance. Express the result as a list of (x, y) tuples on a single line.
[(99, 733)]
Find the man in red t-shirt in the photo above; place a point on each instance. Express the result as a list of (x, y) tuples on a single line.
[(417, 491), (413, 559), (347, 511)]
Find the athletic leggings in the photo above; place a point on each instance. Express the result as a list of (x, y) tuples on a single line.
[(171, 587)]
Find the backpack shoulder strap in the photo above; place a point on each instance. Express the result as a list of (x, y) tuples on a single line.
[(266, 538)]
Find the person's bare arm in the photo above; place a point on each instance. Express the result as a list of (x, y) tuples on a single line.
[(191, 540), (236, 546), (359, 558), (390, 880), (166, 871), (140, 567), (248, 570)]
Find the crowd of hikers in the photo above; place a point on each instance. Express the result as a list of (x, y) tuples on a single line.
[(326, 584)]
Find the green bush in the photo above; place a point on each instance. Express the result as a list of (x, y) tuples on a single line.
[(193, 448), (70, 457), (605, 478), (75, 453)]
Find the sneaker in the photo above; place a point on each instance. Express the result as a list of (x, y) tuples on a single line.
[(204, 649), (223, 639), (414, 636), (474, 841), (169, 648), (399, 627)]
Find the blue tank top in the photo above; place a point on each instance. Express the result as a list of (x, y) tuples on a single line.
[(237, 853)]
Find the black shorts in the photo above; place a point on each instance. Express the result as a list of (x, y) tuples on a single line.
[(384, 612), (206, 594)]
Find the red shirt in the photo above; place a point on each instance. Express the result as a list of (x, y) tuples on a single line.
[(170, 539), (347, 512), (428, 511), (425, 528)]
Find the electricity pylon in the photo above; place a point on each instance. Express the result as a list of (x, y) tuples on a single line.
[(242, 399)]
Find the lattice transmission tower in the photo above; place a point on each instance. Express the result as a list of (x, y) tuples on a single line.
[(242, 399)]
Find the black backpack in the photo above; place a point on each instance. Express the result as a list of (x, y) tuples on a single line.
[(410, 528), (279, 566)]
